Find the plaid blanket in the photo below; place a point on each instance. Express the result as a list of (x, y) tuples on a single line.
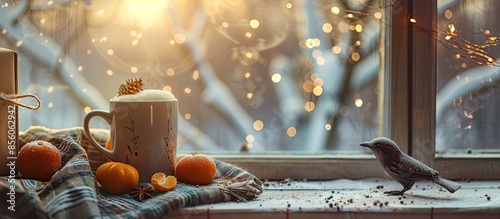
[(72, 191)]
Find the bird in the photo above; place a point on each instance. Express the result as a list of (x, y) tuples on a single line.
[(404, 169)]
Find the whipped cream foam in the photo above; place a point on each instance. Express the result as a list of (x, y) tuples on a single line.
[(146, 95)]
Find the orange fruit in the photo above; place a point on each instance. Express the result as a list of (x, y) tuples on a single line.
[(109, 146), (196, 169), (38, 160), (162, 182), (116, 177)]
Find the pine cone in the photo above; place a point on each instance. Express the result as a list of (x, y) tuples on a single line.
[(132, 86)]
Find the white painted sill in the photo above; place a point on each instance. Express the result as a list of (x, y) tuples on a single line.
[(344, 198)]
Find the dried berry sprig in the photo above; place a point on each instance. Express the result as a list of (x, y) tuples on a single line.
[(132, 86)]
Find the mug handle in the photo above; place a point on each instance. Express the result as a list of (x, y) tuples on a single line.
[(106, 116)]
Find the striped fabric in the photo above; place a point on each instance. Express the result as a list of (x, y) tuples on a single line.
[(72, 192)]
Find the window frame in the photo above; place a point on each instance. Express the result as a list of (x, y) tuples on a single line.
[(409, 112), (422, 133), (406, 113)]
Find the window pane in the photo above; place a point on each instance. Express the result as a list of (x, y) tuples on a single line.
[(272, 75), (468, 99)]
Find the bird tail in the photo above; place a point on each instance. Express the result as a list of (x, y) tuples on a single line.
[(447, 184)]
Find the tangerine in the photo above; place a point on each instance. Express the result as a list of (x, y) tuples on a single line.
[(38, 160), (116, 177), (109, 146), (162, 182), (196, 169)]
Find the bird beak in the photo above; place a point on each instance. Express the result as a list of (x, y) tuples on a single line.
[(365, 144)]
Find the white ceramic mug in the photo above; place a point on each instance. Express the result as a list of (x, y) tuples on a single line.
[(143, 134)]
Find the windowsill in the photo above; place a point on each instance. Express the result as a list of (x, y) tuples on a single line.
[(357, 198)]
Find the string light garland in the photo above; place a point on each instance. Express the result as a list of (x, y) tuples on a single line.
[(450, 38), (476, 53)]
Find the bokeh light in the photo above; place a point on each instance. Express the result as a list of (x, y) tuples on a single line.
[(276, 77), (327, 28), (335, 10), (448, 14), (328, 127), (254, 23), (258, 125), (317, 90), (291, 131), (250, 138), (196, 75), (336, 49), (170, 72), (355, 56), (309, 106), (167, 88), (358, 102)]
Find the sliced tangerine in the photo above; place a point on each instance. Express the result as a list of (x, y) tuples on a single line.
[(162, 182)]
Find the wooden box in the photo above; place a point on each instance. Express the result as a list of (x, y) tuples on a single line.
[(8, 114)]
